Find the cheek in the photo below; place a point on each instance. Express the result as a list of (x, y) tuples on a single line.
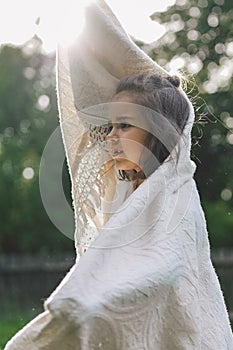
[(132, 133), (133, 146)]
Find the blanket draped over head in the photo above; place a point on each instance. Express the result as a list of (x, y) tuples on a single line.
[(146, 280)]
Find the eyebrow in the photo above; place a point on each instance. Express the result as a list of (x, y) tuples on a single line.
[(123, 118)]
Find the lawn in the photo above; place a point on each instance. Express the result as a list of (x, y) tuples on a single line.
[(13, 321), (9, 326)]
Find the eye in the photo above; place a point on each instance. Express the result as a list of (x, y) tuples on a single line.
[(125, 125), (109, 128)]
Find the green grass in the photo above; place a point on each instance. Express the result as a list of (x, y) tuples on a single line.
[(9, 326), (13, 320)]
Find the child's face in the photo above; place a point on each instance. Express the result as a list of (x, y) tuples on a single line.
[(126, 139)]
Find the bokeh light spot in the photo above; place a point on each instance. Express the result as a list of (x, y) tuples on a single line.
[(29, 73), (229, 49), (43, 102), (219, 2), (193, 34), (9, 132), (194, 12), (219, 48), (28, 173), (213, 20), (230, 138), (229, 122), (24, 125), (226, 194)]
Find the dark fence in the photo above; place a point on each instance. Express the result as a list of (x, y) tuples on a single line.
[(223, 263), (26, 281)]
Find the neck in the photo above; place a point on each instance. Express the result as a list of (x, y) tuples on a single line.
[(137, 183)]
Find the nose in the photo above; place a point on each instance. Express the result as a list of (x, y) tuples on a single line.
[(113, 134)]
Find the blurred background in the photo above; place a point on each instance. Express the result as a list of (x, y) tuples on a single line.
[(194, 37)]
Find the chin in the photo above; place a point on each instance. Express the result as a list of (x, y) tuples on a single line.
[(123, 164)]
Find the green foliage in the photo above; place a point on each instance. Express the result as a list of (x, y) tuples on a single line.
[(28, 115), (198, 41), (220, 223)]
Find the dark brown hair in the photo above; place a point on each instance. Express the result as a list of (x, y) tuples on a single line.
[(160, 94)]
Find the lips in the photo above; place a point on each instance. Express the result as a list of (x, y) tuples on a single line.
[(114, 152)]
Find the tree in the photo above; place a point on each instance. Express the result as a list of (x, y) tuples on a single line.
[(28, 115), (198, 41)]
